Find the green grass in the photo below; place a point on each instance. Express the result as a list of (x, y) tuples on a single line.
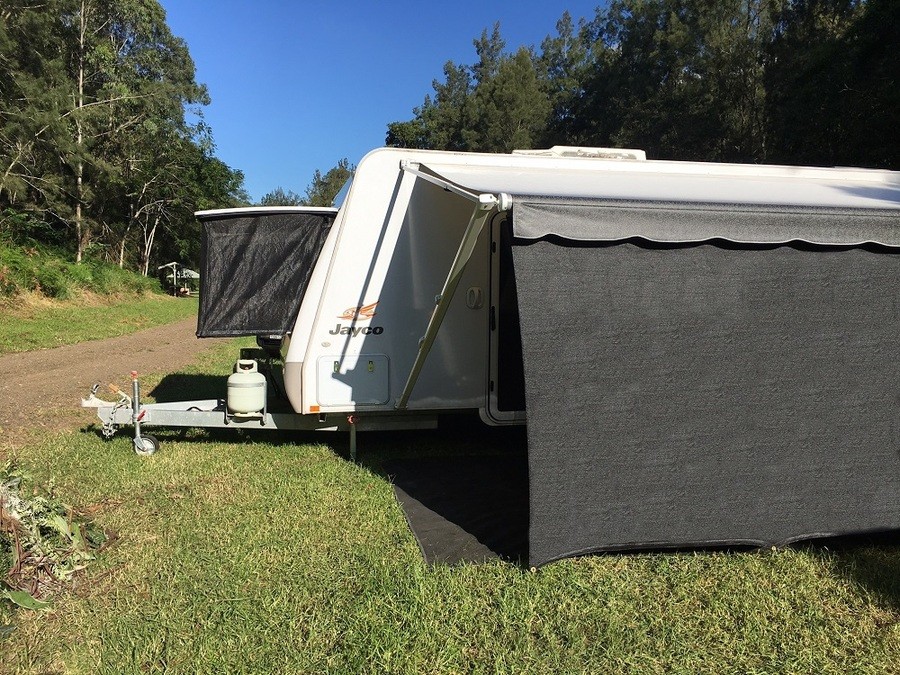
[(264, 554), (44, 325)]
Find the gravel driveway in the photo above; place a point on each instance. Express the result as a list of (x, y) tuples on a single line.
[(40, 390)]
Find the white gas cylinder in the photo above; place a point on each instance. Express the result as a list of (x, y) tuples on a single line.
[(246, 388)]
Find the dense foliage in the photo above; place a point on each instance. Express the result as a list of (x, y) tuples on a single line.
[(102, 137), (45, 271), (324, 188), (785, 81), (280, 197)]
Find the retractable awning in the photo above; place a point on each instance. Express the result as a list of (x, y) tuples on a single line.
[(764, 207), (708, 361)]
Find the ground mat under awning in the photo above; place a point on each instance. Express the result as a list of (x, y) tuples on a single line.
[(465, 509)]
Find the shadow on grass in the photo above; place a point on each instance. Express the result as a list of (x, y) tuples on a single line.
[(189, 386), (463, 488), (870, 561), (193, 386)]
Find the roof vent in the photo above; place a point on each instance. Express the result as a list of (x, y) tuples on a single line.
[(587, 153)]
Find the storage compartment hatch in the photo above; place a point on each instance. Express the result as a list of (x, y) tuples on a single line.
[(361, 379)]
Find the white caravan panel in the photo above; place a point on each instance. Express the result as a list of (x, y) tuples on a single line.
[(362, 379)]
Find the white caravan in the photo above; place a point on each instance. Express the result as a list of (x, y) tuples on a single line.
[(706, 353), (406, 306)]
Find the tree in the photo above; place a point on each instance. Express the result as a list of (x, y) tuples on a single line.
[(132, 81), (207, 183), (562, 67), (791, 81), (440, 122), (497, 104), (679, 78), (832, 78), (94, 130), (278, 197), (873, 110), (409, 134), (33, 110), (509, 108), (323, 189)]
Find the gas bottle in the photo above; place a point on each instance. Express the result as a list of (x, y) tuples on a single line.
[(246, 388)]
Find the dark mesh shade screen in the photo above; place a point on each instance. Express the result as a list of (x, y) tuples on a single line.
[(705, 394), (254, 271)]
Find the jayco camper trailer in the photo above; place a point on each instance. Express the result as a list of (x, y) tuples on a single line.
[(702, 353)]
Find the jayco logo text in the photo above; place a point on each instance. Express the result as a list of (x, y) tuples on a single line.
[(353, 331)]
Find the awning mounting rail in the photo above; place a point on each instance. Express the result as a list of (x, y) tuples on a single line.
[(502, 201)]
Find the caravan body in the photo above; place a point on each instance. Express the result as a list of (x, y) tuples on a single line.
[(352, 344), (707, 354), (357, 337)]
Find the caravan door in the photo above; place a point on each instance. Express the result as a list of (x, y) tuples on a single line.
[(506, 386)]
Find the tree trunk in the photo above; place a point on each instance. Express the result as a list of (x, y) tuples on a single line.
[(82, 231), (131, 219), (149, 235)]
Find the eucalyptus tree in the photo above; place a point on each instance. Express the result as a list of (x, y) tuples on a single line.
[(324, 188), (132, 81), (281, 197), (204, 182), (33, 109), (101, 127)]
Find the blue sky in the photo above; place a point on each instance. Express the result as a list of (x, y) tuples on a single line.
[(296, 86)]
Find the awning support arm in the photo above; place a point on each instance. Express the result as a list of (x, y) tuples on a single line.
[(486, 203), (416, 170)]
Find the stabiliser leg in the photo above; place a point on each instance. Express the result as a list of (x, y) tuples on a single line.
[(143, 445)]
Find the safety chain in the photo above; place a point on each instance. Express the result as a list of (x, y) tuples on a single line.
[(109, 426)]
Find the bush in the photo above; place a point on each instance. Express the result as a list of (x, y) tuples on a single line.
[(51, 281), (80, 275), (140, 284), (50, 272), (24, 229), (102, 279), (13, 270)]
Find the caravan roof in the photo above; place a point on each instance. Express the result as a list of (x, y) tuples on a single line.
[(589, 177), (590, 199)]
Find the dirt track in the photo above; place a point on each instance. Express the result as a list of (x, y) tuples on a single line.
[(40, 390)]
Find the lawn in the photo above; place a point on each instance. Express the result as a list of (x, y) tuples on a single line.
[(262, 553), (28, 322)]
